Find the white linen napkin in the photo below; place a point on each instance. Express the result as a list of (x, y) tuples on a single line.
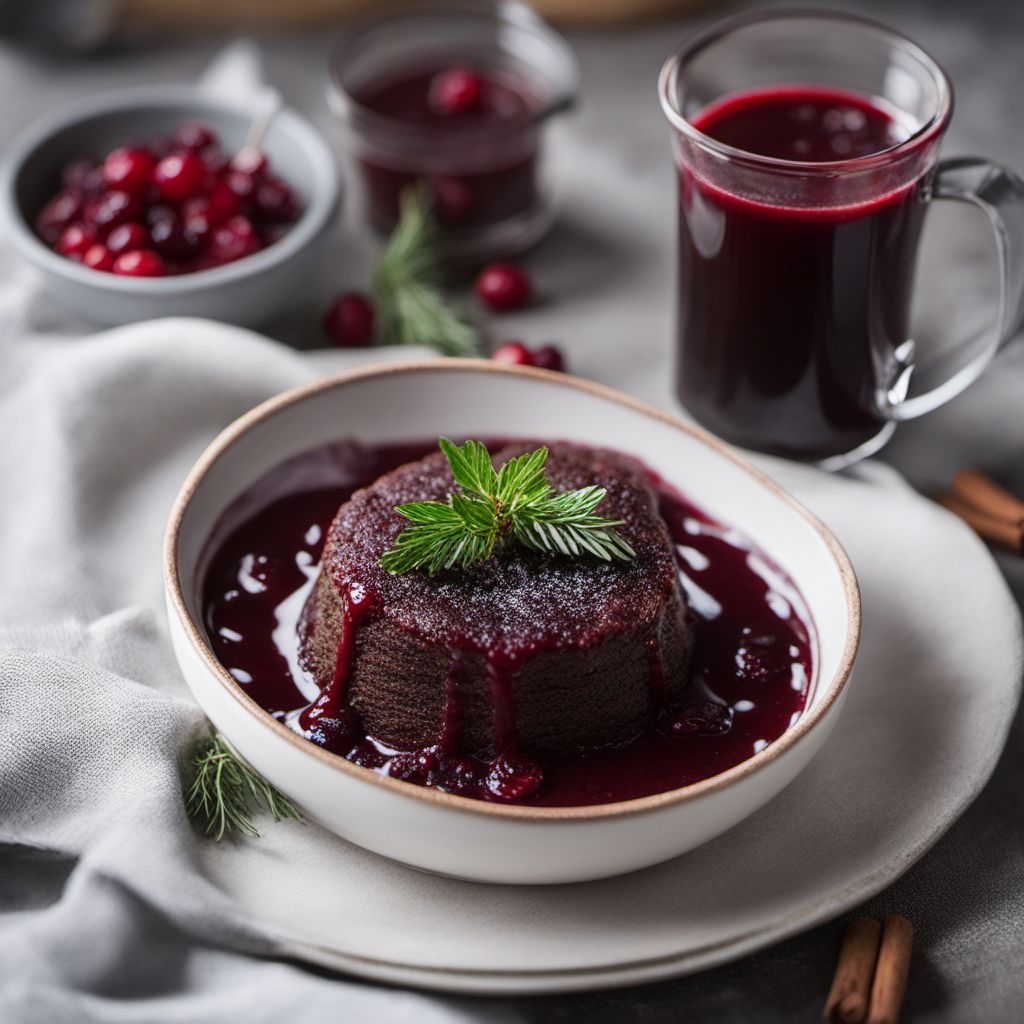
[(95, 852)]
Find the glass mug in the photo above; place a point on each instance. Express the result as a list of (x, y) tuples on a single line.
[(807, 151)]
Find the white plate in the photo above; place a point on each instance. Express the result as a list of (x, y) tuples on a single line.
[(937, 681), (474, 839)]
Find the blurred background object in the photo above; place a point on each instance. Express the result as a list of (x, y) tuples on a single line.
[(71, 24), (267, 12), (583, 12), (82, 24), (230, 12)]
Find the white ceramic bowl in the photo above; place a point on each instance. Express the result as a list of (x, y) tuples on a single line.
[(246, 292), (456, 835)]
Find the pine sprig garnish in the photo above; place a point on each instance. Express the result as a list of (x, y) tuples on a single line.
[(516, 502), (223, 792), (411, 307)]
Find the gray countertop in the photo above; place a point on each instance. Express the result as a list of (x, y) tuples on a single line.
[(966, 897)]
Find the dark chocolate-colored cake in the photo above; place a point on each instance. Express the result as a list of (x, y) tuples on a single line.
[(524, 653)]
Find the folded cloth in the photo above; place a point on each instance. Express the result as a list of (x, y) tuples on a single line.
[(101, 897)]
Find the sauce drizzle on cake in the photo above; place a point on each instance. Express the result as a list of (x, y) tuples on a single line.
[(594, 683)]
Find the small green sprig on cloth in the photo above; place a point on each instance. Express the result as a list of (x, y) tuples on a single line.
[(411, 307), (222, 792), (516, 502)]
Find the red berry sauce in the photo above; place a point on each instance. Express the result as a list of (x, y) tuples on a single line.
[(752, 671), (181, 199)]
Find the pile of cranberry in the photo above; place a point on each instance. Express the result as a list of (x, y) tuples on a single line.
[(173, 206)]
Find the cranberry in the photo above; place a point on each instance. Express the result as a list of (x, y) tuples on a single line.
[(512, 777), (453, 200), (98, 257), (78, 172), (109, 209), (74, 240), (503, 286), (349, 321), (159, 212), (338, 733), (140, 263), (93, 182), (126, 237), (179, 199), (198, 204), (241, 227), (243, 185), (513, 353), (274, 201), (172, 241), (179, 176), (704, 718), (58, 213), (223, 203), (128, 168), (548, 357), (195, 136), (198, 226), (413, 767), (233, 240), (214, 160), (456, 91), (249, 161)]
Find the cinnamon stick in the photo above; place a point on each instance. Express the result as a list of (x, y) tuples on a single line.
[(987, 496), (1009, 535), (849, 996), (891, 971)]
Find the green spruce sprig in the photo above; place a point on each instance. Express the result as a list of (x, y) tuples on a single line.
[(516, 501), (411, 307), (222, 792)]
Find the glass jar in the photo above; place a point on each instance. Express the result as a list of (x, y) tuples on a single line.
[(482, 167)]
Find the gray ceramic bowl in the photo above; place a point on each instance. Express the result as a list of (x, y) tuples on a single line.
[(245, 292)]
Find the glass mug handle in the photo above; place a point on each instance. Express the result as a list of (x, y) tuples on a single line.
[(1000, 193)]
